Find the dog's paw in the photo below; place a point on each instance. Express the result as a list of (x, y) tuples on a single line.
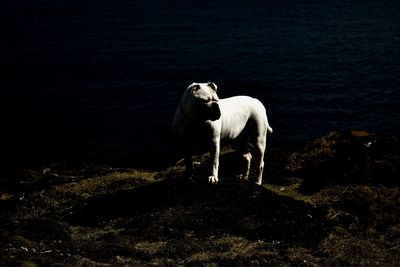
[(242, 177), (213, 179)]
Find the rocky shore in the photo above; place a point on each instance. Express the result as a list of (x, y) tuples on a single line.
[(334, 202)]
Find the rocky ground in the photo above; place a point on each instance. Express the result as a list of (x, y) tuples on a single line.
[(335, 202)]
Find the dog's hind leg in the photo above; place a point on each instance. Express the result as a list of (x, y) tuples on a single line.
[(247, 158), (246, 153), (259, 151)]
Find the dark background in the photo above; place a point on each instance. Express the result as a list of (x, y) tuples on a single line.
[(85, 80)]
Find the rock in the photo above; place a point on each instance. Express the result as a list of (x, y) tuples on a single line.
[(353, 157)]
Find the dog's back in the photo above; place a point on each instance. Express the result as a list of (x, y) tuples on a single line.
[(238, 111)]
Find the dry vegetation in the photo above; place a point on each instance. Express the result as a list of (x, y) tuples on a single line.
[(333, 203)]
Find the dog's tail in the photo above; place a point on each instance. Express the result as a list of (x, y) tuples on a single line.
[(269, 129)]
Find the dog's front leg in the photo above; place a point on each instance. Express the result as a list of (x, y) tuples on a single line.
[(213, 178), (188, 166), (187, 154)]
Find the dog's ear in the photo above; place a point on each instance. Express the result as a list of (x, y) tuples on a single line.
[(212, 86), (194, 87)]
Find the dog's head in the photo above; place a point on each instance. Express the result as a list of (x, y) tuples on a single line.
[(202, 101)]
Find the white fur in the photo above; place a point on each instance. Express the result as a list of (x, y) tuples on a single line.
[(236, 113)]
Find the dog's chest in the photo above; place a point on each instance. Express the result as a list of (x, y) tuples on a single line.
[(199, 130), (199, 133)]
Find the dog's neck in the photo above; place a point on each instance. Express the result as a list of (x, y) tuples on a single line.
[(183, 113), (190, 121)]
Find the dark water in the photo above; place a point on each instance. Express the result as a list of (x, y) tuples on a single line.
[(100, 80)]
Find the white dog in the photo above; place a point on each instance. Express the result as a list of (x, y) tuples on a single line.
[(201, 114)]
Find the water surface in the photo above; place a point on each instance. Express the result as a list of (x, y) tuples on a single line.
[(100, 80)]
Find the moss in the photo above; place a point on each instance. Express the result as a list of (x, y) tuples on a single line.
[(334, 202)]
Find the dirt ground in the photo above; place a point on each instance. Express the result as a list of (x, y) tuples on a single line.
[(335, 202)]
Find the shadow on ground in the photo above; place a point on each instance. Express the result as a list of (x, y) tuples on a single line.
[(334, 202), (177, 207)]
